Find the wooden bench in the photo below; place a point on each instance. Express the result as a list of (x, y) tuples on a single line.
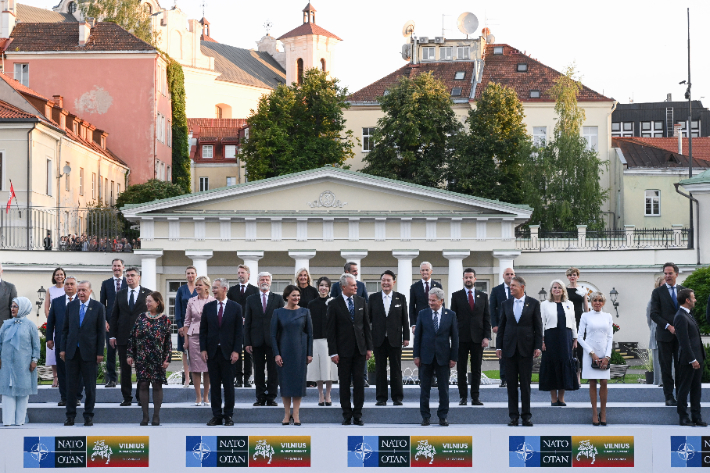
[(618, 371)]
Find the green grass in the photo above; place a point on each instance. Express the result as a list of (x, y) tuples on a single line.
[(99, 379), (630, 378)]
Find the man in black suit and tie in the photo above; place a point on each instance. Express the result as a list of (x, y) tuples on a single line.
[(519, 340), (419, 293), (109, 289), (82, 349), (129, 304), (220, 344), (500, 294), (664, 306), (691, 356), (257, 339), (436, 346), (239, 293), (349, 345), (474, 319), (55, 326), (387, 311), (351, 268)]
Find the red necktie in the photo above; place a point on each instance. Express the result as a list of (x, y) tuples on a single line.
[(220, 313), (118, 285), (242, 289), (426, 289), (470, 300)]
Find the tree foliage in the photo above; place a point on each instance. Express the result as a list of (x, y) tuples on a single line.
[(149, 191), (699, 282), (298, 127), (412, 139), (128, 14), (489, 157), (180, 141)]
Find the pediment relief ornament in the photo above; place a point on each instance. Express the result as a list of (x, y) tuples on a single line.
[(327, 199)]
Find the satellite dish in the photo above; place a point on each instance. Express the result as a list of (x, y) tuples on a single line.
[(408, 29), (406, 52), (467, 23), (490, 39)]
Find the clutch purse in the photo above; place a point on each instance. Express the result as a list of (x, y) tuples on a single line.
[(597, 365)]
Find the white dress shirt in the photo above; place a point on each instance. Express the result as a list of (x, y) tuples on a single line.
[(518, 308), (137, 291)]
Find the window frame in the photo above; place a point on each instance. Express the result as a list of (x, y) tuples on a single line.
[(204, 148), (521, 67), (652, 131), (622, 132), (463, 75), (498, 50), (428, 51), (535, 91), (463, 53), (204, 183), (595, 145), (450, 50), (81, 181), (456, 91), (652, 200), (93, 185), (537, 136), (368, 139), (24, 75), (231, 177), (49, 176), (226, 156)]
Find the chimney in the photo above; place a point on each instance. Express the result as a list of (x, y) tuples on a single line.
[(85, 31), (8, 18), (669, 98), (680, 138), (58, 101)]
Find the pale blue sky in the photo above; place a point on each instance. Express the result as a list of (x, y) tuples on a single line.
[(623, 48)]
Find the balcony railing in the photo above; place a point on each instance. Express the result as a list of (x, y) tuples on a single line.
[(534, 239), (70, 229)]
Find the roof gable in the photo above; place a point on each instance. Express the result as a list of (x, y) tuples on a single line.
[(244, 66), (28, 14), (641, 154), (308, 29), (64, 37)]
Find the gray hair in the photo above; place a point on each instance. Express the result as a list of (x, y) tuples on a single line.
[(597, 295), (565, 298), (344, 279), (88, 283), (520, 280), (427, 263), (222, 282), (264, 273), (438, 292), (71, 277)]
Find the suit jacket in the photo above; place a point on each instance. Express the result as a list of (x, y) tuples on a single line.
[(228, 336), (474, 325), (88, 337), (335, 290), (55, 319), (122, 317), (498, 296), (235, 294), (348, 337), (418, 300), (257, 323), (690, 345), (108, 294), (7, 293), (525, 335), (395, 324), (441, 345), (663, 311)]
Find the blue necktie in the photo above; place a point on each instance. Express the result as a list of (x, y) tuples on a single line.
[(507, 289), (131, 300), (673, 296), (351, 308), (436, 322), (82, 312)]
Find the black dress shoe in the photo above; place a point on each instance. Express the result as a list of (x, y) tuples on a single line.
[(328, 403), (321, 403), (503, 384), (381, 403), (513, 423), (347, 421), (228, 421), (476, 402), (78, 402), (671, 402), (443, 422), (215, 421), (700, 423), (62, 403), (425, 422), (111, 384), (126, 402), (237, 384), (88, 422), (69, 421), (462, 401), (259, 403), (144, 422), (358, 421), (397, 403), (527, 423), (271, 403), (686, 423)]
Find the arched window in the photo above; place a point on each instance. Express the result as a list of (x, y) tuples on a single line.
[(148, 9), (322, 65), (72, 7), (217, 111), (299, 74)]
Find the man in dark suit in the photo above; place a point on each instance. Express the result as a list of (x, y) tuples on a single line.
[(419, 293), (82, 349), (387, 312), (349, 345), (500, 294), (220, 344), (7, 293), (129, 304), (436, 346), (474, 319), (664, 306), (109, 289), (257, 339), (239, 293), (55, 326), (691, 356), (519, 340)]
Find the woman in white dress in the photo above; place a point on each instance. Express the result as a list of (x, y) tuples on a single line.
[(321, 370), (53, 292), (597, 345)]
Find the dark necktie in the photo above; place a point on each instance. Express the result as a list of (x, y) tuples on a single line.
[(673, 296), (82, 313), (118, 285), (436, 322), (242, 289), (220, 314), (351, 309), (131, 300), (263, 301), (426, 288), (470, 300), (507, 289)]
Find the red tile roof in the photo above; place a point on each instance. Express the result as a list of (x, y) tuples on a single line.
[(10, 111), (215, 128), (639, 154), (105, 36), (21, 88), (309, 28), (701, 146)]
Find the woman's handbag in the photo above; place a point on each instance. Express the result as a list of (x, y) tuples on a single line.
[(597, 365)]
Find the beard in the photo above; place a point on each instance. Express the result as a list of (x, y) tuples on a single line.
[(265, 287)]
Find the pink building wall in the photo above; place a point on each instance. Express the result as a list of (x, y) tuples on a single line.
[(119, 95)]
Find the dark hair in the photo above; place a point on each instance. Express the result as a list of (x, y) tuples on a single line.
[(289, 289), (133, 269), (684, 295), (387, 271), (470, 270), (348, 265), (117, 259), (672, 265), (158, 298), (519, 280), (321, 279), (54, 281)]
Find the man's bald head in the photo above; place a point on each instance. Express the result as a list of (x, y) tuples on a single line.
[(508, 275)]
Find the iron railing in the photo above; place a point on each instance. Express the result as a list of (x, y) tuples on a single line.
[(610, 239)]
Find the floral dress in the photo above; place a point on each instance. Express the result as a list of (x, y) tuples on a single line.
[(150, 346)]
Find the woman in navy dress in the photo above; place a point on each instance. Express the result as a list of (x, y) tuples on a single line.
[(184, 294), (292, 344)]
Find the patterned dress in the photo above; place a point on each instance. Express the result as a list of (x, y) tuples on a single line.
[(150, 346)]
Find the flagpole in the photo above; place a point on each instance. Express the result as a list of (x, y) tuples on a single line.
[(13, 195)]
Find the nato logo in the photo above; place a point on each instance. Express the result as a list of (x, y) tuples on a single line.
[(216, 451), (378, 451), (523, 451), (54, 452), (688, 452)]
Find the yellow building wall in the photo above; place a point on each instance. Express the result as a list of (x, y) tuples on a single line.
[(216, 174), (675, 209)]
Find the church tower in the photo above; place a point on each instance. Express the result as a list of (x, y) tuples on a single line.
[(308, 46)]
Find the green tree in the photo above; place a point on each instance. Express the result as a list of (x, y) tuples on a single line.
[(412, 140), (562, 179), (489, 157), (180, 145), (298, 127), (149, 191), (128, 14), (699, 282)]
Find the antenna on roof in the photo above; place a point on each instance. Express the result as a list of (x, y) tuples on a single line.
[(467, 23), (203, 5), (267, 26)]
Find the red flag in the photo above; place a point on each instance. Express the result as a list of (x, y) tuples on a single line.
[(12, 196)]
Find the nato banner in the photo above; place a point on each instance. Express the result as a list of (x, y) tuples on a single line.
[(405, 451), (83, 452), (247, 451), (690, 451), (569, 451)]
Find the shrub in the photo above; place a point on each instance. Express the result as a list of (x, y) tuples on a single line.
[(699, 281), (616, 358)]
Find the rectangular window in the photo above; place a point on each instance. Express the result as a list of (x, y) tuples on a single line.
[(623, 129), (522, 68), (170, 134), (497, 50), (653, 203), (446, 54), (462, 53), (694, 128), (456, 92), (67, 181), (170, 174), (22, 74), (118, 189), (231, 181), (428, 53), (534, 94), (207, 151), (105, 190), (460, 75), (99, 184), (539, 136), (49, 177), (81, 181), (230, 152), (112, 184), (204, 184), (93, 185), (591, 134), (368, 142), (651, 129)]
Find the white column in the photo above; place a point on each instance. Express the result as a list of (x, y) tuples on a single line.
[(455, 258), (505, 260), (404, 269), (302, 258), (149, 267), (251, 259), (199, 260), (354, 256)]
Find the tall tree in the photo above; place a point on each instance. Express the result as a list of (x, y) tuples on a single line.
[(412, 139), (489, 157), (298, 127), (562, 181), (128, 14), (180, 141)]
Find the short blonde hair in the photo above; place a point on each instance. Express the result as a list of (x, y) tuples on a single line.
[(564, 291), (205, 280), (308, 275), (572, 271), (597, 295), (660, 280)]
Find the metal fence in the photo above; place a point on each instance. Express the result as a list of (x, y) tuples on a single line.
[(610, 239), (66, 229)]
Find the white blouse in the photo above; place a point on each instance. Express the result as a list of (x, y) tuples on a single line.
[(548, 311)]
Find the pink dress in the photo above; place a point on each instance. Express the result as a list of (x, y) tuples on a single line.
[(193, 315)]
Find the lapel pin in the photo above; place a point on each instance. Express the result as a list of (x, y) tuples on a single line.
[(526, 305)]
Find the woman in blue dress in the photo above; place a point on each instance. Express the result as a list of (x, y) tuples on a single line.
[(292, 344), (184, 294)]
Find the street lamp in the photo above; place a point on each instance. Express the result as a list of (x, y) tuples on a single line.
[(542, 295), (40, 295), (613, 295)]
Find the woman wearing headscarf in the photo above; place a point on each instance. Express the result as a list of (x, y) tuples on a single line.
[(19, 352)]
